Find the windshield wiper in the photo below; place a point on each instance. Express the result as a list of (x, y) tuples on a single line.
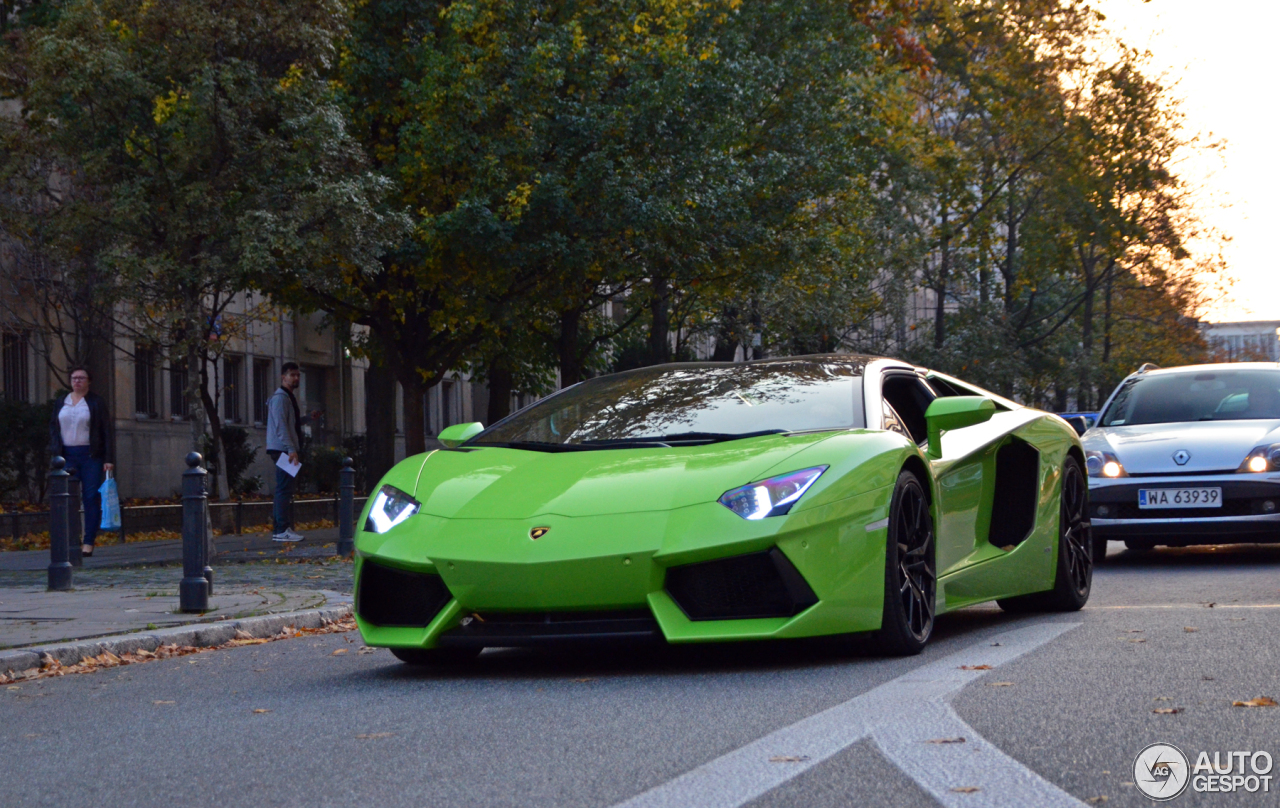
[(694, 437)]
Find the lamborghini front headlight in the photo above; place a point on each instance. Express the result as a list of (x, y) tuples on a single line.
[(390, 507), (771, 497)]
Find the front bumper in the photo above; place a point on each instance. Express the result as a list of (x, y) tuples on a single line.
[(690, 575), (1250, 507)]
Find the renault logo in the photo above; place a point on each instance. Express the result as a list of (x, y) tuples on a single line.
[(538, 532), (1181, 457)]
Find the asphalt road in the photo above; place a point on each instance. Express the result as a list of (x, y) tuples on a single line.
[(1068, 702)]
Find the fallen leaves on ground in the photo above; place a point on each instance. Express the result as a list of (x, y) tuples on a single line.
[(966, 789), (369, 736), (1167, 710), (163, 702), (1190, 629), (1260, 701), (52, 667), (339, 652), (999, 684), (1096, 800), (975, 667), (945, 740), (1209, 604), (788, 758), (1137, 639), (586, 679), (259, 710), (365, 649)]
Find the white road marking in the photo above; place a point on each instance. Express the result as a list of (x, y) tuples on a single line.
[(900, 715)]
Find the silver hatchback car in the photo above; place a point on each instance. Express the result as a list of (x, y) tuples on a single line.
[(1187, 455)]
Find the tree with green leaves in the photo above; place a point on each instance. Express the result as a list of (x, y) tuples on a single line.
[(189, 149)]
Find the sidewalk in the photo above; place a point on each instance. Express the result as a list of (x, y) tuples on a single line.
[(134, 587), (248, 547)]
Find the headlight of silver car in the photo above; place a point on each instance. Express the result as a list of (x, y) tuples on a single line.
[(771, 497), (1262, 458), (1103, 464), (390, 507)]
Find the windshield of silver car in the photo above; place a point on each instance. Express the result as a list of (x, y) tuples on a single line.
[(689, 404), (1220, 395)]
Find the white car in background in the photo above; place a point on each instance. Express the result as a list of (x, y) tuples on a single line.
[(1187, 455)]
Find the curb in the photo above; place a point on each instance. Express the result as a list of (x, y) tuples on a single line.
[(199, 635)]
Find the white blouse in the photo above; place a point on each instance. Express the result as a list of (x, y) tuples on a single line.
[(74, 420)]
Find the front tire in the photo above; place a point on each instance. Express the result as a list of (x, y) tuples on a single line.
[(910, 577), (1073, 576), (435, 656)]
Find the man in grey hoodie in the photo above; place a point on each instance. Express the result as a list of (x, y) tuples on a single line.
[(284, 436)]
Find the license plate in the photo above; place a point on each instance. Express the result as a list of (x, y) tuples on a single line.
[(1180, 498)]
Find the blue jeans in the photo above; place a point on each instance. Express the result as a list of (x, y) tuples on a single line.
[(282, 499), (89, 472)]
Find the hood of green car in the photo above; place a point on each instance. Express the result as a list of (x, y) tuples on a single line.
[(499, 483)]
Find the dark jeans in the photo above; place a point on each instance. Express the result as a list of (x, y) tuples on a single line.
[(89, 472), (282, 499)]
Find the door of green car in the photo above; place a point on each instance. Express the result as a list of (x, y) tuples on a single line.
[(960, 471)]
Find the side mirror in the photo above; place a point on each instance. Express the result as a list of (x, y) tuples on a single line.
[(955, 412), (1079, 424), (456, 434)]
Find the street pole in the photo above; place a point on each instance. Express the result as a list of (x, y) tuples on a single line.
[(59, 566), (346, 508), (193, 592)]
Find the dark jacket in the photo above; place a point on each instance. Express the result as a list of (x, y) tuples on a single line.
[(101, 430)]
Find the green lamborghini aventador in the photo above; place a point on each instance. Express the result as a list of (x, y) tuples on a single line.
[(694, 502)]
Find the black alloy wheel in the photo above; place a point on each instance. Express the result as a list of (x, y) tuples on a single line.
[(911, 579), (1073, 577), (1076, 530)]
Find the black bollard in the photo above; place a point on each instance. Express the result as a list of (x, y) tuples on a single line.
[(75, 525), (59, 566), (346, 508), (193, 592)]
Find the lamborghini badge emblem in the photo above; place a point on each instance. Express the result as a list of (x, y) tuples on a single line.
[(538, 532)]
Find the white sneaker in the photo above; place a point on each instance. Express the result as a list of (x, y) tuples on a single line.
[(294, 535), (288, 535)]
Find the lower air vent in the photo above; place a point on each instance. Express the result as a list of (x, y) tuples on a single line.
[(392, 597), (756, 585), (506, 630)]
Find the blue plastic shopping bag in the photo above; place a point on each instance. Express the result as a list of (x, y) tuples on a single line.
[(110, 504)]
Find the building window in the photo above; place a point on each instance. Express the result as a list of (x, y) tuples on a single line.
[(17, 385), (179, 407), (262, 389), (232, 382), (145, 363)]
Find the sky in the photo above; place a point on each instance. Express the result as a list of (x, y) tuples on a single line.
[(1219, 56)]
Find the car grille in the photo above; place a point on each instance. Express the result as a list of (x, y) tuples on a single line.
[(1130, 510), (756, 585), (505, 629), (392, 597)]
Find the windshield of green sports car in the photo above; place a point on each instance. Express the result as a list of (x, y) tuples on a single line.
[(1218, 395), (689, 404)]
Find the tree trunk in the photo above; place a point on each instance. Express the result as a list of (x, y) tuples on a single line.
[(1010, 252), (940, 288), (415, 413), (380, 422), (1085, 394), (567, 347), (726, 335), (221, 484), (1106, 321), (660, 327), (501, 386)]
